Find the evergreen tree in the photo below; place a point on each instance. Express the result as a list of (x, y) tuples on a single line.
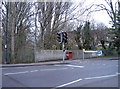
[(87, 36)]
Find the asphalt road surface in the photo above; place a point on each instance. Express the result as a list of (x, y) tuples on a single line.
[(80, 73)]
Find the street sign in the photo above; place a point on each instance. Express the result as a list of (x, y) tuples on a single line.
[(83, 50), (99, 52)]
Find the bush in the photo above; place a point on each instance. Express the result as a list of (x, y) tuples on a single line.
[(111, 52)]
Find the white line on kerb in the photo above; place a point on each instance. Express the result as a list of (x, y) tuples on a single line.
[(69, 83), (16, 73)]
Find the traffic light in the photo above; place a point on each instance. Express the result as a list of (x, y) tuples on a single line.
[(59, 37), (65, 37), (62, 37)]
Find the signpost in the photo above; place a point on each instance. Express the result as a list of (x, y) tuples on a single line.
[(83, 53), (98, 52)]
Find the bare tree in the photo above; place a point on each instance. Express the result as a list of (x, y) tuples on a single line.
[(101, 34), (19, 23), (52, 18)]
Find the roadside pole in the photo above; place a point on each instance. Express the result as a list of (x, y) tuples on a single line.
[(83, 54), (63, 45), (63, 48)]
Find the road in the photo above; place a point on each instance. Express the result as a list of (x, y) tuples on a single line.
[(80, 73)]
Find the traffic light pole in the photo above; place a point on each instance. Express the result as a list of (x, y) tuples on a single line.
[(62, 39), (63, 48)]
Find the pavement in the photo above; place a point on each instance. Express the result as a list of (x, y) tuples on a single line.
[(58, 62)]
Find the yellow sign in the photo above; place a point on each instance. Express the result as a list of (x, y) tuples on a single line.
[(83, 50)]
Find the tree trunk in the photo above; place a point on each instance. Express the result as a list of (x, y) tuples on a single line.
[(12, 43), (0, 34)]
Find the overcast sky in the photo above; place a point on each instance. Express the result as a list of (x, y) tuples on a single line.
[(99, 16)]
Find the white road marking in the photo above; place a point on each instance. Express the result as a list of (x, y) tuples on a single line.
[(114, 60), (47, 69), (53, 69), (71, 66), (63, 85), (3, 68), (62, 69), (104, 64), (21, 67), (106, 76), (75, 66), (118, 73), (14, 68), (34, 71), (16, 73)]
